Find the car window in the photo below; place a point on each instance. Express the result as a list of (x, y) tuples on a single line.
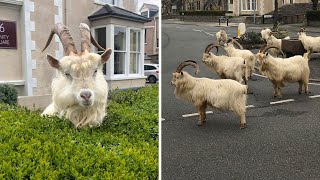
[(146, 67), (152, 68)]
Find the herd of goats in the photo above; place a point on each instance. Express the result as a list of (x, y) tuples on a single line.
[(230, 92)]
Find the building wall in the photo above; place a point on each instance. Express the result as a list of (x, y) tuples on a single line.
[(11, 59), (150, 32)]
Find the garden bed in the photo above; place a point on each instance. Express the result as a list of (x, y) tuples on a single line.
[(125, 146)]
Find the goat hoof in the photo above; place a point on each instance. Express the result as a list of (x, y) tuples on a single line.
[(200, 123), (242, 126)]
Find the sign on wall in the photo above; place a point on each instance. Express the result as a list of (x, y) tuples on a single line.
[(8, 35)]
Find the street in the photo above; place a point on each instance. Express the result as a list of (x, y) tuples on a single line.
[(282, 138)]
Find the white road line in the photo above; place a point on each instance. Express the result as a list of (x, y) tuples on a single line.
[(282, 101), (315, 96), (260, 75), (250, 106), (178, 27), (162, 119), (195, 114), (197, 30), (208, 33), (314, 84)]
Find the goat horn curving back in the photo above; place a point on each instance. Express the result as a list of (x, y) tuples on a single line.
[(268, 47), (238, 44), (65, 37), (211, 46), (86, 38), (188, 63)]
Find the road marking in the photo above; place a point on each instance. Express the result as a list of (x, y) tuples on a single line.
[(178, 27), (282, 101), (314, 84), (197, 30), (315, 96), (208, 33), (260, 75), (195, 114), (162, 119), (250, 106)]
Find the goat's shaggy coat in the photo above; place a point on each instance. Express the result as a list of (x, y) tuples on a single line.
[(224, 94), (80, 91), (226, 67), (310, 44), (280, 70)]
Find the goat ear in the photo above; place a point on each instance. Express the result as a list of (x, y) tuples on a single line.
[(53, 61), (106, 55)]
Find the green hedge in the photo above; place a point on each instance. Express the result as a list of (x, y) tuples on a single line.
[(250, 38), (8, 94), (313, 15), (204, 13), (124, 147)]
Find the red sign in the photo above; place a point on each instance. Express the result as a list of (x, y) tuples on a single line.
[(8, 35)]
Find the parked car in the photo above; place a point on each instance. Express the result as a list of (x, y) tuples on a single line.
[(152, 72)]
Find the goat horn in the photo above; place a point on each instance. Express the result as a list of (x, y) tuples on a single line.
[(211, 46), (65, 37), (263, 47), (188, 63), (238, 44), (86, 38), (268, 47)]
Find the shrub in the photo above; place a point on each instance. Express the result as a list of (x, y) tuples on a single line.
[(250, 38), (313, 15), (124, 147), (204, 13), (8, 94)]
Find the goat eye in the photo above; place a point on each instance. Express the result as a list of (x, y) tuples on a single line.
[(67, 74), (95, 72)]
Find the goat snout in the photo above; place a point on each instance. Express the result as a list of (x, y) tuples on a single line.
[(86, 95)]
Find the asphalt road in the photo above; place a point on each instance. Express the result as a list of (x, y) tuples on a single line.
[(281, 141)]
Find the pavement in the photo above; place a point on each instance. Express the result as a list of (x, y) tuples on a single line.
[(281, 141)]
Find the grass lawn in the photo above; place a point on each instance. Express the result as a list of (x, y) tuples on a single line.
[(124, 147)]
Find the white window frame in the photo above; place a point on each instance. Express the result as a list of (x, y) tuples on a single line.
[(140, 51), (246, 4), (110, 44)]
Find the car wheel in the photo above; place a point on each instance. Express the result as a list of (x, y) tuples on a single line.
[(152, 79)]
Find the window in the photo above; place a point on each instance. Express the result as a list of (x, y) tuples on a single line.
[(145, 36), (198, 5), (100, 36), (135, 51), (248, 5), (145, 14), (119, 50)]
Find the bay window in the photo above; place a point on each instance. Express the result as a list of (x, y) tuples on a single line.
[(127, 44)]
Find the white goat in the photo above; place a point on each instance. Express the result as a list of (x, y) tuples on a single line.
[(266, 34), (221, 37), (310, 44), (280, 70), (226, 67), (247, 55), (224, 94), (80, 91)]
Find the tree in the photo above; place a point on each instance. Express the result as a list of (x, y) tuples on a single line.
[(315, 4)]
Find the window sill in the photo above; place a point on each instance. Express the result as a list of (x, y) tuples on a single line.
[(126, 78), (14, 82)]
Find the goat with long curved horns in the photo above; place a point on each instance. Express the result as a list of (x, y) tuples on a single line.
[(80, 91), (225, 94)]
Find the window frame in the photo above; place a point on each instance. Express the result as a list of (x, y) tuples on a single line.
[(250, 8)]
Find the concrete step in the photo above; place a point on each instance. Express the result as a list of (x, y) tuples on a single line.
[(238, 19)]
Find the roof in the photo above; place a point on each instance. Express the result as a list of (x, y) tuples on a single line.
[(117, 12), (294, 9), (149, 6)]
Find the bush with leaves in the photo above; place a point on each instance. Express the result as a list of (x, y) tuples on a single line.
[(250, 39), (8, 94), (124, 147)]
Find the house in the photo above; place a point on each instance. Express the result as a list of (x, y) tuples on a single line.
[(260, 7), (151, 44), (114, 27)]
